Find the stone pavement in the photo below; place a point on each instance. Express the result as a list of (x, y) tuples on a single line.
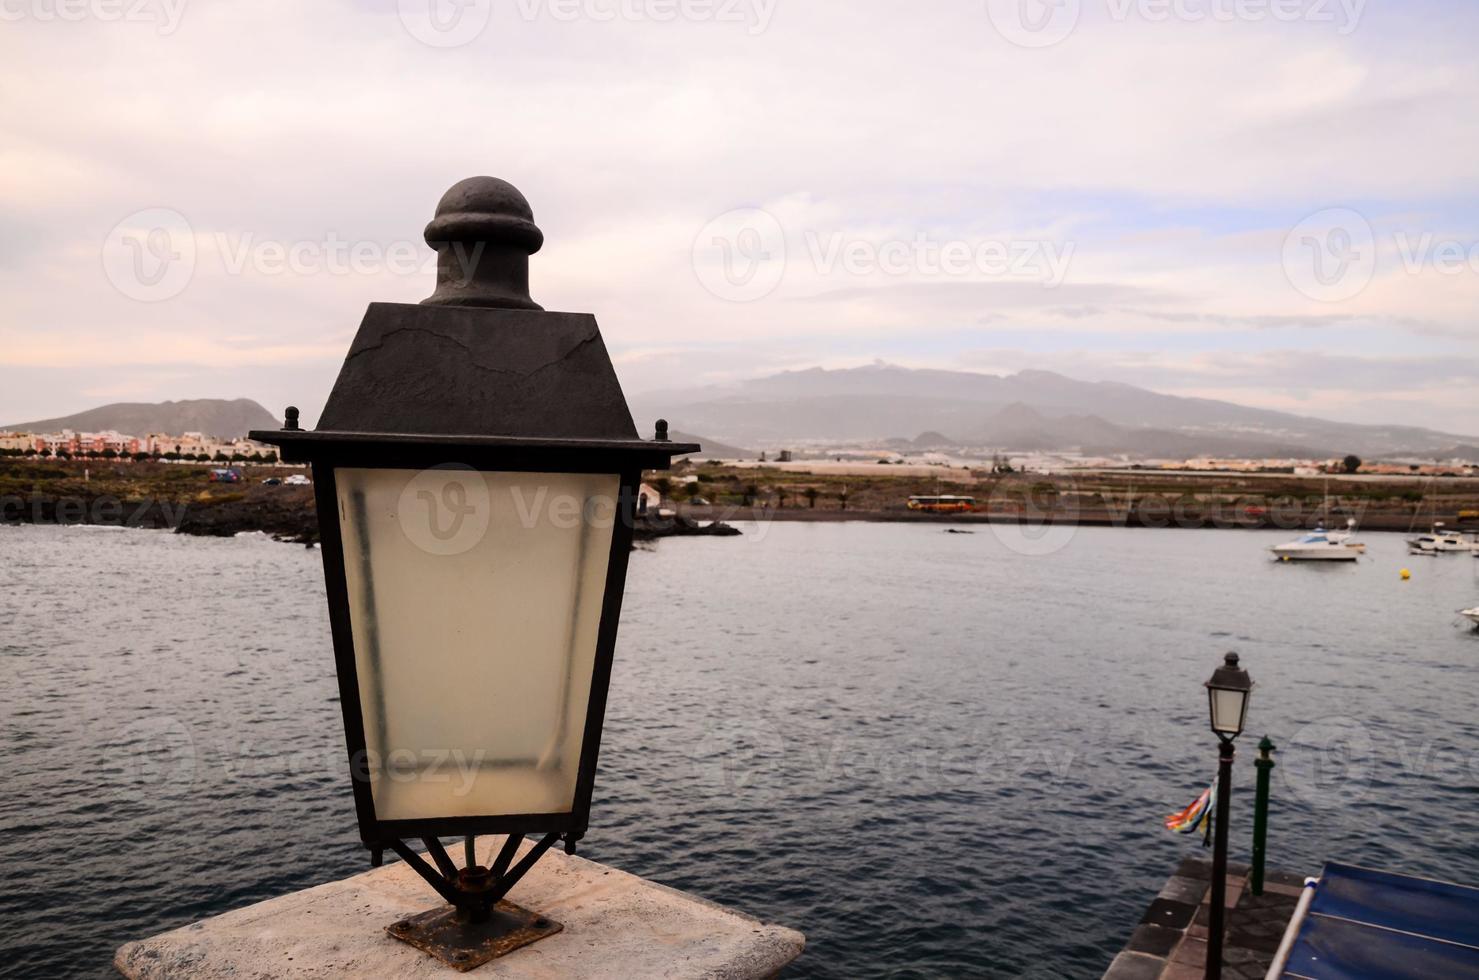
[(1170, 943)]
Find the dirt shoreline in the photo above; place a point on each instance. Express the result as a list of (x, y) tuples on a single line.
[(1372, 522), (1122, 498), (293, 519), (184, 499)]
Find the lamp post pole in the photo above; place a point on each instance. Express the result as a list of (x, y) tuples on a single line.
[(1265, 764), (1227, 698), (1219, 861)]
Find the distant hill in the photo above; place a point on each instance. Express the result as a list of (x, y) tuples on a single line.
[(1467, 453), (1019, 427), (933, 440), (226, 419), (713, 448), (1024, 411)]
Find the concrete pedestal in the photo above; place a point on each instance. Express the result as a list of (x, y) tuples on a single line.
[(616, 925)]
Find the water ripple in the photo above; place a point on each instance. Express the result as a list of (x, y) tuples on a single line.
[(934, 756)]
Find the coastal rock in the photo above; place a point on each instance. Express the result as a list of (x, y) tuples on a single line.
[(285, 513), (651, 527)]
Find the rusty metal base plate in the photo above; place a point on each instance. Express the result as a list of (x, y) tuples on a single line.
[(466, 945)]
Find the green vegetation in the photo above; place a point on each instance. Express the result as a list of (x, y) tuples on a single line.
[(1394, 503), (28, 476)]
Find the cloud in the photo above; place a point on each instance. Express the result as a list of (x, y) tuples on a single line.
[(1171, 158), (1264, 320)]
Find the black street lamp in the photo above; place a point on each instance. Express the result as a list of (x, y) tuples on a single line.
[(476, 471), (1227, 700)]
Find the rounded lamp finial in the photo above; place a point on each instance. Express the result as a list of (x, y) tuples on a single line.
[(484, 233)]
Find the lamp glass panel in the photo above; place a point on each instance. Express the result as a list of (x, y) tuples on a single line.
[(475, 601), (1227, 710)]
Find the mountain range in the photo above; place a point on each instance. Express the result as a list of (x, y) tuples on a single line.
[(1030, 410), (713, 448), (885, 404), (220, 417)]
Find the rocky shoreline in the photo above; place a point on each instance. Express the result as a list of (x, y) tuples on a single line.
[(650, 528), (289, 517), (181, 499), (288, 521)]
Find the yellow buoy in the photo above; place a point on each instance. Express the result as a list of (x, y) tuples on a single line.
[(1406, 575)]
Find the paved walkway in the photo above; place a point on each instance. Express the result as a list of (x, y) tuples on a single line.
[(1170, 943)]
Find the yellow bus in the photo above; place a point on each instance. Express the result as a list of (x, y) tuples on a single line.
[(943, 505)]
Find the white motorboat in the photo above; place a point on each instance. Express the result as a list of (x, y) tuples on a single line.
[(1472, 615), (1321, 545), (1441, 542)]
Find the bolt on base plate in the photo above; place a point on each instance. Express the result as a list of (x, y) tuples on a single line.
[(467, 945)]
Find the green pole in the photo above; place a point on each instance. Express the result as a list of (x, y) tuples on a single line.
[(1265, 765)]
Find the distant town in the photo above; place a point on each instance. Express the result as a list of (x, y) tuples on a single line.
[(200, 447), (186, 447), (861, 460)]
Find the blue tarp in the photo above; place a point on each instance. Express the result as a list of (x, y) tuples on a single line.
[(1374, 925)]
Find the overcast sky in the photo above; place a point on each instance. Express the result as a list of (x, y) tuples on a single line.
[(1269, 201)]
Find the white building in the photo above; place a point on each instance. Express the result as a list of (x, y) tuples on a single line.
[(17, 440)]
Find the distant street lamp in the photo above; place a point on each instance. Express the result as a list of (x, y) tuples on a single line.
[(1227, 698), (476, 471)]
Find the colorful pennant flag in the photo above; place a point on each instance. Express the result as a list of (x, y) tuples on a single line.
[(1198, 816)]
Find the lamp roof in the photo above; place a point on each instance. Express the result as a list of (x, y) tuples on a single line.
[(466, 368), (1230, 677), (484, 209)]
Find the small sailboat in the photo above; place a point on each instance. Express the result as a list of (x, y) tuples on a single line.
[(1322, 545)]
